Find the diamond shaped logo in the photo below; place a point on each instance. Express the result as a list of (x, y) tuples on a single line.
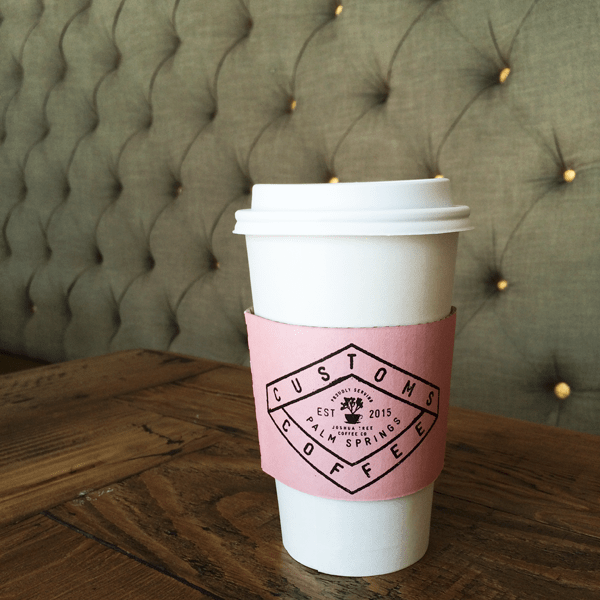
[(353, 416)]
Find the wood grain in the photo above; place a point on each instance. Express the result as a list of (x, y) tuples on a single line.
[(39, 555), (62, 455), (220, 398), (94, 378), (175, 486), (546, 474), (211, 517), (61, 434)]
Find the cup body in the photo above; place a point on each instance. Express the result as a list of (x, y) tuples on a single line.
[(348, 279), (352, 281)]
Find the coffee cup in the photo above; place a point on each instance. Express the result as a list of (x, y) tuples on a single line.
[(334, 268)]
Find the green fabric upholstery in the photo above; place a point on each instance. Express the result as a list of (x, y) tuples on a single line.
[(132, 130)]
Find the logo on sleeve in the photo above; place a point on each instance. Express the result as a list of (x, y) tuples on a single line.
[(353, 416)]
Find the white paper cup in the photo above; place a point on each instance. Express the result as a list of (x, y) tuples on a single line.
[(305, 243)]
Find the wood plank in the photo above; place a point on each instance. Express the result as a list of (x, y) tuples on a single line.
[(221, 398), (211, 516), (478, 552), (61, 435), (546, 474), (95, 378), (77, 446), (181, 528), (43, 559)]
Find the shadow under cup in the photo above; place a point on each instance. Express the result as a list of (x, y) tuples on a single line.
[(353, 255)]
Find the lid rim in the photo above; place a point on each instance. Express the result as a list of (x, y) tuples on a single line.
[(386, 215), (336, 223), (403, 207)]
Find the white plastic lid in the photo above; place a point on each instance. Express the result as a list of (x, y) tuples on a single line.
[(408, 207)]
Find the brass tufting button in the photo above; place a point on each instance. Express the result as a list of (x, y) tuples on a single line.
[(504, 74), (502, 284), (338, 10), (438, 176), (562, 390), (334, 179), (293, 104), (569, 175), (213, 263)]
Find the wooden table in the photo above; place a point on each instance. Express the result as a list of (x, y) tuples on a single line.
[(136, 475)]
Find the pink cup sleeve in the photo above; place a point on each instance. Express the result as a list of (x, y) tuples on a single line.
[(352, 413)]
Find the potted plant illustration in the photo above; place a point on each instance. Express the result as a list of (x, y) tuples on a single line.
[(353, 405)]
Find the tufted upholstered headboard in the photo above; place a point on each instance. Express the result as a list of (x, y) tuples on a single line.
[(132, 130)]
